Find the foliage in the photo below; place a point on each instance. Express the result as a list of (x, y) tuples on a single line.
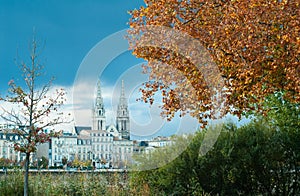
[(157, 158), (255, 46), (64, 160), (12, 184), (79, 164), (33, 109), (43, 163), (6, 162), (252, 160), (282, 113), (40, 163), (77, 184)]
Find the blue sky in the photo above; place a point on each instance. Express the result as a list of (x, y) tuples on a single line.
[(68, 30)]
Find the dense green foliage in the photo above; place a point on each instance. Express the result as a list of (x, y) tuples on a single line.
[(253, 159)]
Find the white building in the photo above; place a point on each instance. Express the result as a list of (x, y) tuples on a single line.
[(101, 144), (110, 144), (7, 139), (84, 147), (122, 152), (60, 147), (160, 142)]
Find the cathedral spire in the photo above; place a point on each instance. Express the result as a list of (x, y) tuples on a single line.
[(123, 90), (123, 101), (123, 115), (99, 99), (99, 111)]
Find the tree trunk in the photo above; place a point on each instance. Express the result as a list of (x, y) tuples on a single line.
[(26, 174)]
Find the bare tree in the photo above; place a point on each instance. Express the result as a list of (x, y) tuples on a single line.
[(34, 109)]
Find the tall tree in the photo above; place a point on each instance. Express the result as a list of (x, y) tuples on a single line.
[(36, 109), (254, 44)]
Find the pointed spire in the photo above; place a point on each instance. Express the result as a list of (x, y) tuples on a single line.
[(99, 111), (99, 89), (99, 99), (123, 90), (122, 120), (123, 101)]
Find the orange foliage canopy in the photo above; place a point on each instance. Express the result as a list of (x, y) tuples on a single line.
[(244, 51)]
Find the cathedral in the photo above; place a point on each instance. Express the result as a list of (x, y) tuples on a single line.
[(122, 127), (106, 146)]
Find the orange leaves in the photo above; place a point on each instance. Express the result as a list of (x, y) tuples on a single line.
[(255, 44)]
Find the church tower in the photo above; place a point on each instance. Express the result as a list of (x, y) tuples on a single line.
[(99, 111), (123, 115)]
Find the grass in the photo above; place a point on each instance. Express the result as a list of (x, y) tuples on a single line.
[(77, 184)]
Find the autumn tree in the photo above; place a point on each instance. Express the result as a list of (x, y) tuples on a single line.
[(34, 109), (239, 50)]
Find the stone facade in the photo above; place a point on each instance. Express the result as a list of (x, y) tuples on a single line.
[(108, 146)]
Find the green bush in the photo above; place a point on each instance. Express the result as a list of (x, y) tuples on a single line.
[(255, 159)]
